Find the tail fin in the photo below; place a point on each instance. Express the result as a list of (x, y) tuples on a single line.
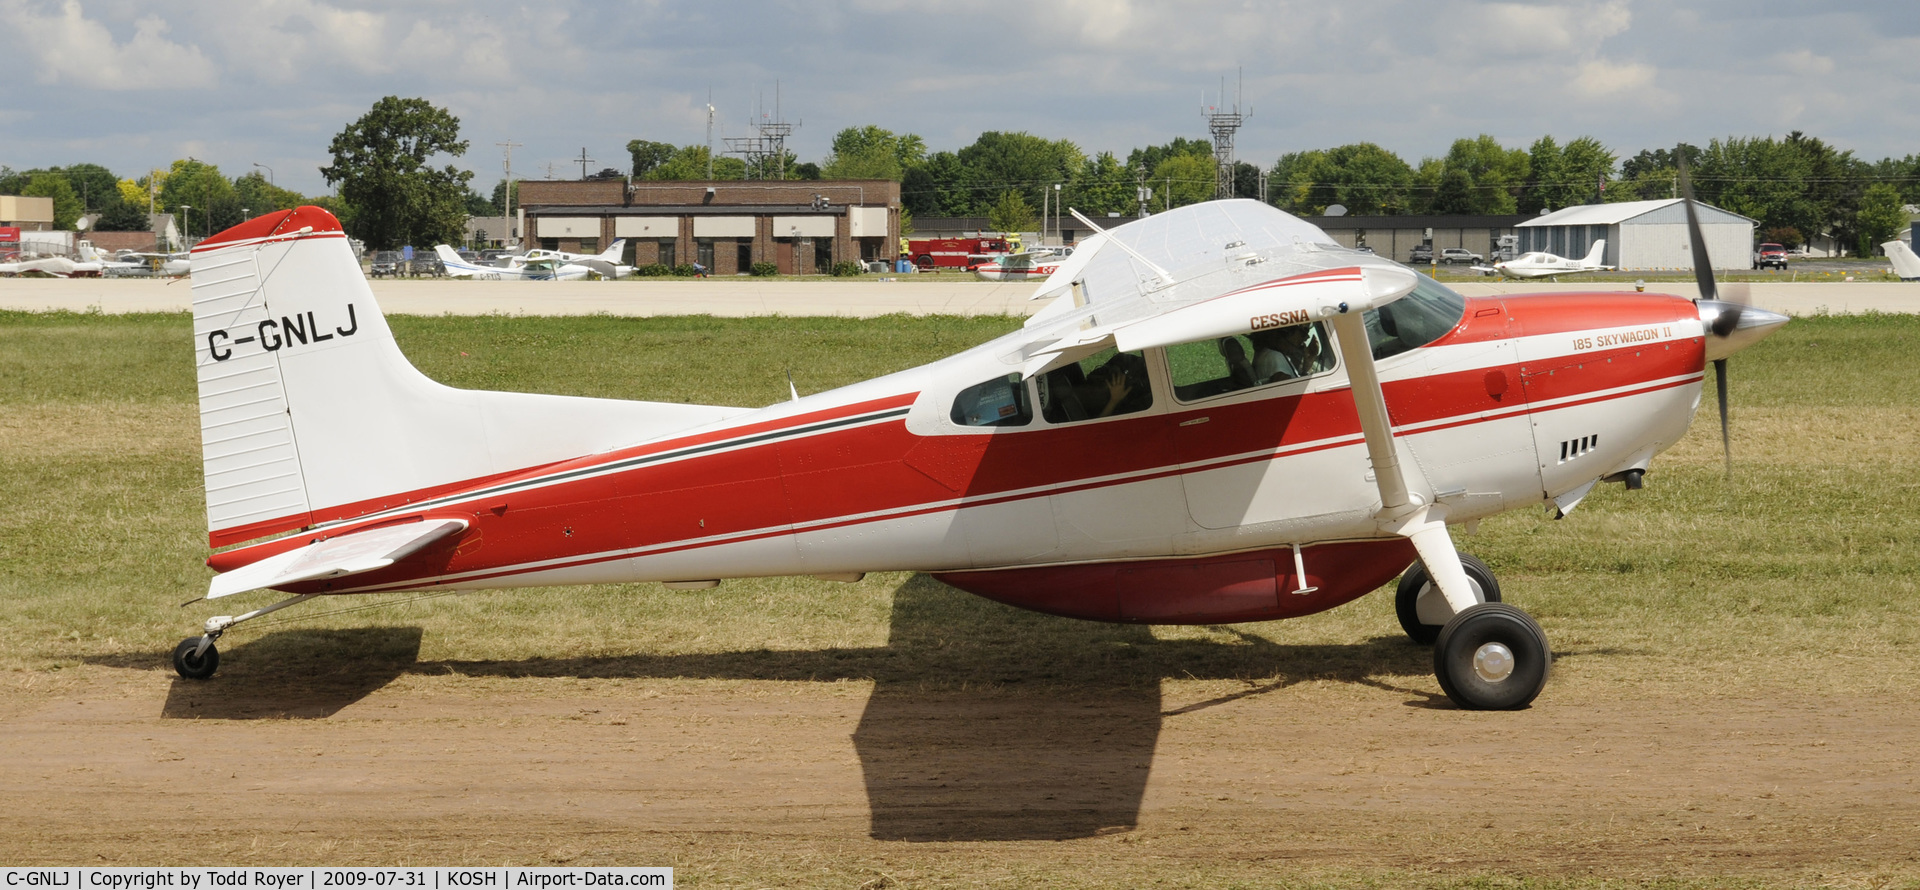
[(90, 254), (1598, 254), (614, 250), (1906, 265), (310, 413), (448, 256)]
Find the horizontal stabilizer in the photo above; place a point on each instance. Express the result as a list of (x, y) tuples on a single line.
[(348, 554)]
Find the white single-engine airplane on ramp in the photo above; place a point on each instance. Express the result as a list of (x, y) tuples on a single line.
[(520, 269), (1540, 264), (1114, 459)]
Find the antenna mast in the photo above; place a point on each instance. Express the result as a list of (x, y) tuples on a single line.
[(709, 135), (765, 152), (1223, 123), (506, 194)]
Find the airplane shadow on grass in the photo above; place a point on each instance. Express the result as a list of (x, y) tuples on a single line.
[(985, 722)]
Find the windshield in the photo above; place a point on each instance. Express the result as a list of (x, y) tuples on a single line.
[(1413, 321)]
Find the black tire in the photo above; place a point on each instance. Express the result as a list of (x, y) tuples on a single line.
[(1406, 596), (195, 667), (1470, 636), (924, 261)]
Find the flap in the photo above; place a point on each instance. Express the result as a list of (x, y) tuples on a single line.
[(348, 554)]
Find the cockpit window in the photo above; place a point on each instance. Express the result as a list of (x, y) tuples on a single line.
[(1414, 320), (1228, 364), (1001, 401), (1105, 384)]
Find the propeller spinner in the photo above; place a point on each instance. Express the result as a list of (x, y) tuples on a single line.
[(1732, 324)]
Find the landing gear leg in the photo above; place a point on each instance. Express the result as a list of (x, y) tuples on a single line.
[(1421, 607), (196, 658), (1489, 656)]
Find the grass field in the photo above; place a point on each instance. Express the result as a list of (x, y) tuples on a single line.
[(1800, 572), (1797, 577)]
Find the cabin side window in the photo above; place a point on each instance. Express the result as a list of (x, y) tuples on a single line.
[(1413, 321), (1105, 384), (1206, 368), (1001, 401)]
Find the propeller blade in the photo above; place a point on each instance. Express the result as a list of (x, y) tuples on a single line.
[(1726, 433), (1702, 264)]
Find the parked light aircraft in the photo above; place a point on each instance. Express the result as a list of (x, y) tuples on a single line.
[(1221, 416), (606, 263), (56, 266), (107, 263), (1906, 265), (518, 268), (1540, 264), (1032, 265)]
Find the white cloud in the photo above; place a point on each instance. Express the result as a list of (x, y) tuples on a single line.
[(1805, 63), (67, 48), (1603, 79)]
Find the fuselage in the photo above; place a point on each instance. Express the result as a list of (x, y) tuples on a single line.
[(1524, 399)]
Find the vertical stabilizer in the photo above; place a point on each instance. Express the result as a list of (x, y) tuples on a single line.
[(1597, 255), (1906, 265), (310, 413)]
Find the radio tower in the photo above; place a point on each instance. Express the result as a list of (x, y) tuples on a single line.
[(769, 144), (1223, 123)]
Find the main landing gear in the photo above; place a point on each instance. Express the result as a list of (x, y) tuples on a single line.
[(196, 658), (1488, 657)]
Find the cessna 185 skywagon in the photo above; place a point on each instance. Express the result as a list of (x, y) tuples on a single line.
[(1221, 417)]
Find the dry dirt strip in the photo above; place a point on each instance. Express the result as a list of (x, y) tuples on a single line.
[(458, 764)]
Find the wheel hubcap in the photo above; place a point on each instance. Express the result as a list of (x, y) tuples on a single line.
[(1493, 662)]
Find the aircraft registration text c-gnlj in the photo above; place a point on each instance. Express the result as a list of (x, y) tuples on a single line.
[(282, 333), (1219, 416)]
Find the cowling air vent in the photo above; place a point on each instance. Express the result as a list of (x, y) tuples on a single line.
[(1573, 448)]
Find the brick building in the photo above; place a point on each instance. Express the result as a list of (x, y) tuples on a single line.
[(801, 226)]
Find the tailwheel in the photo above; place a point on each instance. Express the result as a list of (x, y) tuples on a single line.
[(193, 662), (1492, 657), (1423, 611)]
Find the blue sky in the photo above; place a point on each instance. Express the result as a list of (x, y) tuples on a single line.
[(134, 85)]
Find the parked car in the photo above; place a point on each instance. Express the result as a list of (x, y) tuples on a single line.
[(386, 264), (1770, 256), (1420, 255), (1460, 255)]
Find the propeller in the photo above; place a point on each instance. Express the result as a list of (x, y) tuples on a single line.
[(1733, 323)]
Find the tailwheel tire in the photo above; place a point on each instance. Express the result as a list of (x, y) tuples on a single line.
[(195, 667), (1492, 657), (1423, 624)]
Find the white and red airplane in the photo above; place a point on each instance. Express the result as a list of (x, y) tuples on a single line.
[(1030, 265), (1115, 459)]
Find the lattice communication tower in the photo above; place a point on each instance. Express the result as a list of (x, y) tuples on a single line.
[(765, 151), (1223, 123)]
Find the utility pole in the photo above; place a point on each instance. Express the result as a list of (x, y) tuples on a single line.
[(506, 192), (584, 161), (709, 135)]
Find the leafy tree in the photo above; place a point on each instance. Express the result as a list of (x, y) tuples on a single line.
[(1494, 175), (66, 203), (1182, 179), (97, 186), (934, 188), (1152, 156), (380, 164), (132, 192), (870, 152), (997, 161), (689, 164), (1881, 217), (1564, 177), (499, 207), (807, 170), (1785, 236), (478, 206), (259, 196), (1012, 213), (1101, 186), (1246, 180), (201, 186), (1363, 177), (646, 156)]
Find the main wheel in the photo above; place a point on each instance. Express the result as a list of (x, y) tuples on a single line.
[(195, 667), (1492, 657), (1423, 610)]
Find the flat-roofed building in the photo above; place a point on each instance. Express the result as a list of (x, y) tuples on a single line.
[(801, 226)]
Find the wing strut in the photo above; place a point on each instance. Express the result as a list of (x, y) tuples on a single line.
[(1402, 512)]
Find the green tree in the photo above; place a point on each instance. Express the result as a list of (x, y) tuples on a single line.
[(97, 186), (201, 186), (689, 164), (646, 156), (1101, 186), (1181, 180), (1564, 177), (1011, 213), (1882, 215), (259, 196), (997, 161), (1494, 175), (66, 203), (499, 207), (936, 187), (870, 152), (1362, 177), (1152, 156), (380, 164)]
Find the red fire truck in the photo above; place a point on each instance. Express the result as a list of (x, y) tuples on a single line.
[(954, 253)]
